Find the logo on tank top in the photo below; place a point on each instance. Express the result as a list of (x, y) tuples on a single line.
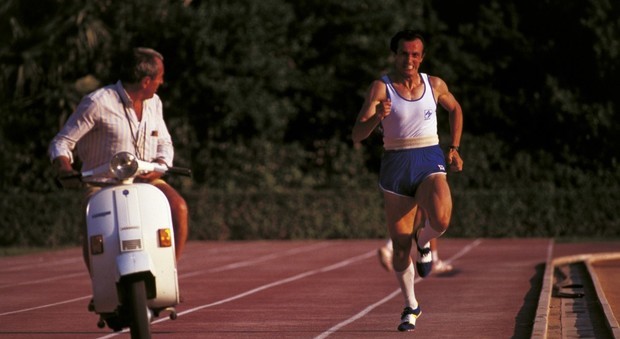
[(428, 113)]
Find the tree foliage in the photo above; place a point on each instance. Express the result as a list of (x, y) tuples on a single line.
[(263, 94)]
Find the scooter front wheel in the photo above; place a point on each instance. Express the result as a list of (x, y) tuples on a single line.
[(139, 324)]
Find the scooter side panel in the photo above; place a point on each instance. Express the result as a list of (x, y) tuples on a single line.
[(101, 220)]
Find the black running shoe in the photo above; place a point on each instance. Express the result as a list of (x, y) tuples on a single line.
[(424, 260), (408, 318)]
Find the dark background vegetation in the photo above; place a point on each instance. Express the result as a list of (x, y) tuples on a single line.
[(261, 97)]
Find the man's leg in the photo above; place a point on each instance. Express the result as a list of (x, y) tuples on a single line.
[(439, 266), (385, 252), (400, 214), (434, 197), (179, 211)]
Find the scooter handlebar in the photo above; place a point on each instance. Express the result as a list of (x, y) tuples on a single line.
[(180, 171), (143, 167), (156, 167), (71, 176)]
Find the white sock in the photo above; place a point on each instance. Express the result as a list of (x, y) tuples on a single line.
[(405, 279), (435, 256), (427, 233)]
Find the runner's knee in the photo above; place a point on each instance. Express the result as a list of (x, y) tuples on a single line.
[(440, 224)]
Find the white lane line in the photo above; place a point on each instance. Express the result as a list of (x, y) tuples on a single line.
[(46, 280), (264, 258), (38, 262), (278, 283), (368, 309), (217, 269), (48, 305), (361, 314), (190, 274), (264, 287)]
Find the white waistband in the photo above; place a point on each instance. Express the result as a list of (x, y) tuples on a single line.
[(418, 142)]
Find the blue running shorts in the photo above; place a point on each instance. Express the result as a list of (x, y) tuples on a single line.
[(402, 171)]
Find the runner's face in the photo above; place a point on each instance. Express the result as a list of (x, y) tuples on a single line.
[(409, 56)]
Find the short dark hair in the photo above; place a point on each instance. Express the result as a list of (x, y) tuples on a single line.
[(139, 63), (407, 35)]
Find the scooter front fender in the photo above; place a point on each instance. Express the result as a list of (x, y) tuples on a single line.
[(133, 262)]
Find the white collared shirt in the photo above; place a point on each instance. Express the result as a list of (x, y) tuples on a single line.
[(105, 123)]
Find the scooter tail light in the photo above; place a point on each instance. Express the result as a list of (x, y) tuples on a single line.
[(165, 237), (96, 244)]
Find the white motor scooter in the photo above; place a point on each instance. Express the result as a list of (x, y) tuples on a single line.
[(131, 247)]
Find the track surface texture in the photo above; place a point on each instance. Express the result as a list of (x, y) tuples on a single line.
[(306, 289)]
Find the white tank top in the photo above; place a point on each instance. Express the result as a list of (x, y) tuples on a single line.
[(410, 118)]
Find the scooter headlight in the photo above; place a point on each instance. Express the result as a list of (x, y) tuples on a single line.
[(124, 165)]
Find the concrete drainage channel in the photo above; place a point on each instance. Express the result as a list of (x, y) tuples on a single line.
[(572, 302)]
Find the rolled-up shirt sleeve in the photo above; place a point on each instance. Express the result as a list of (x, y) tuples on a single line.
[(78, 124)]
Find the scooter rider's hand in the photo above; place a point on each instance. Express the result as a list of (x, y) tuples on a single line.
[(66, 175), (150, 176)]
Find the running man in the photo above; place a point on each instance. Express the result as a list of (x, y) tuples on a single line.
[(413, 167)]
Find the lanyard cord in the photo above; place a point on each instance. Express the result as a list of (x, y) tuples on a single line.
[(134, 138)]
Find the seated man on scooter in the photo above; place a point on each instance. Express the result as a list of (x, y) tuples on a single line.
[(125, 116)]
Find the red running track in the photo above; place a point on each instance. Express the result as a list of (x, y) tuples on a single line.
[(293, 289)]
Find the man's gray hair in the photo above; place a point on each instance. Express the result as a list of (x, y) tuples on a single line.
[(140, 63)]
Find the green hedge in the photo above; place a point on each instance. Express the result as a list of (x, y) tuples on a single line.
[(539, 212), (52, 220), (286, 215)]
